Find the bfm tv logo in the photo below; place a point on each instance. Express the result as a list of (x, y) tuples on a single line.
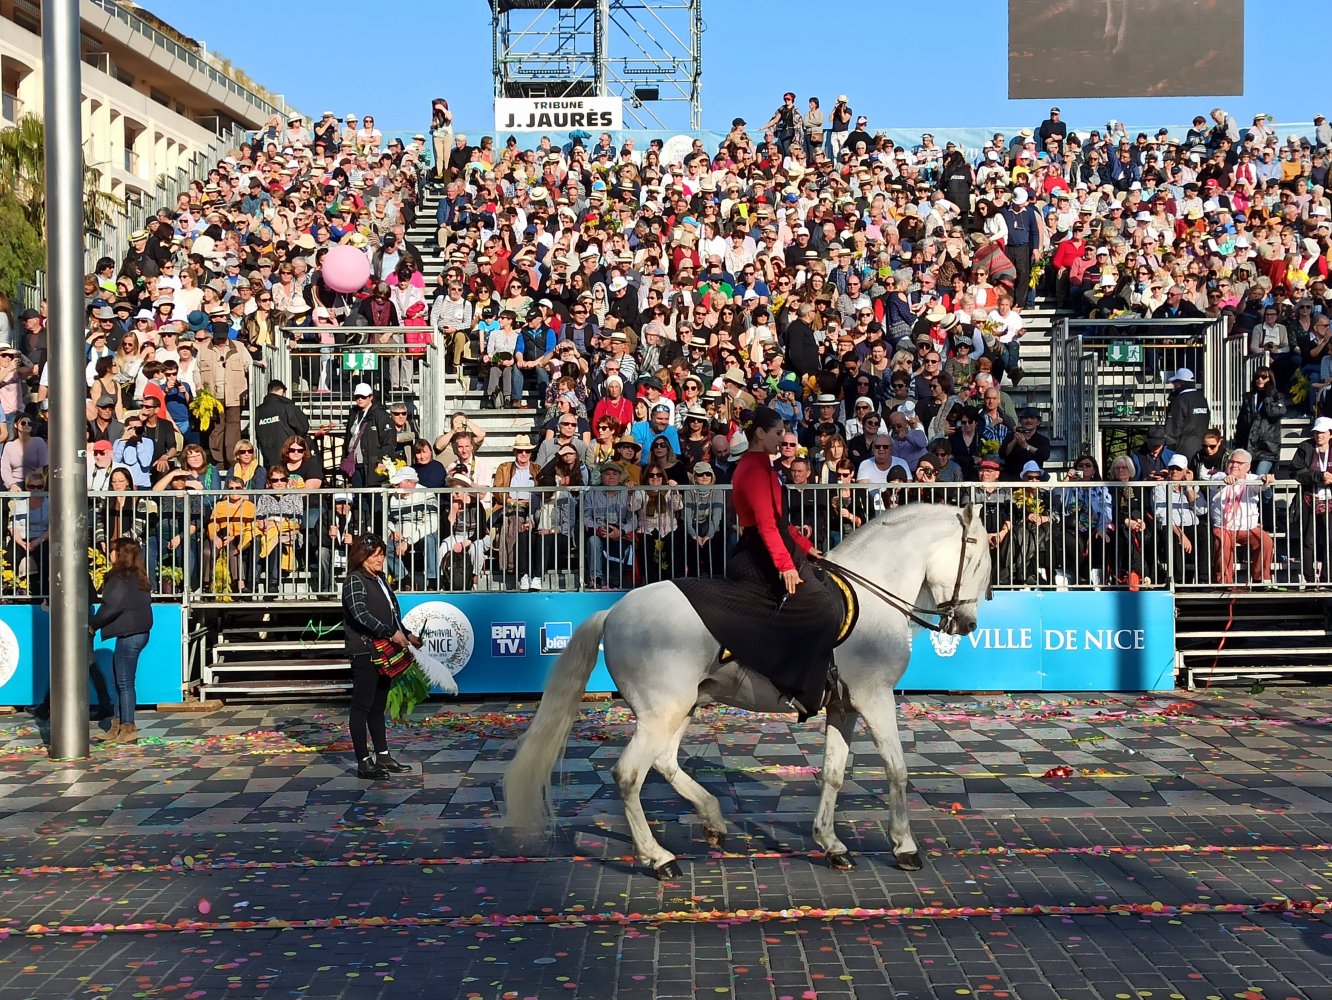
[(508, 639)]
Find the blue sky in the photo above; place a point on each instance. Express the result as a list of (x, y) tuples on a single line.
[(931, 64)]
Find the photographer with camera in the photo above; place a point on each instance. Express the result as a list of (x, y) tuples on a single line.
[(839, 124), (135, 453)]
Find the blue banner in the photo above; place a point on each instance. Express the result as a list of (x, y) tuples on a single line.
[(25, 656), (1054, 641), (1028, 641)]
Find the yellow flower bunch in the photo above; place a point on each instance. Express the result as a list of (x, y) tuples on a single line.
[(388, 466), (205, 407), (1029, 500), (98, 566)]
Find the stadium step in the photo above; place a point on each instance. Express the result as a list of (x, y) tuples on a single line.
[(1271, 634)]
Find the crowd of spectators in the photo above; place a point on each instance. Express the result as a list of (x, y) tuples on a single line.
[(636, 303)]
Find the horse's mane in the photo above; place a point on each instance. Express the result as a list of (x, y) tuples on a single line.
[(896, 520)]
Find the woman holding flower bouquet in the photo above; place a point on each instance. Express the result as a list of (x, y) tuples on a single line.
[(374, 631)]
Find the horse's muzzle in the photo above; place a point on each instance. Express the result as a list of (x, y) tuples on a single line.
[(962, 623)]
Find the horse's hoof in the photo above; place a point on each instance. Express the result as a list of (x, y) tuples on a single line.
[(716, 839), (909, 862), (669, 872), (841, 862)]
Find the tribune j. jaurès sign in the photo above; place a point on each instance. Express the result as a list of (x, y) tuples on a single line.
[(564, 114)]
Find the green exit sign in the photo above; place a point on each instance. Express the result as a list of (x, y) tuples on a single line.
[(360, 361), (1123, 352)]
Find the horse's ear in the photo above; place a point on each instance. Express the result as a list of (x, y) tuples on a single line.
[(968, 515)]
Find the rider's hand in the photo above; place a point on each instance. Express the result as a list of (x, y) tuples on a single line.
[(791, 579)]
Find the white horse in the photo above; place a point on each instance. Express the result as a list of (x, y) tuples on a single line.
[(919, 559)]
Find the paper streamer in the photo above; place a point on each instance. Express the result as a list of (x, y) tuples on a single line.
[(722, 917), (197, 864)]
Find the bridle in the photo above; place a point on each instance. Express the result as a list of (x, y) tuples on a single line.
[(947, 610)]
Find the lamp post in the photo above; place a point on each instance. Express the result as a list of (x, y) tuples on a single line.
[(64, 331)]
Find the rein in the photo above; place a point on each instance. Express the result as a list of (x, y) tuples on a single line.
[(947, 611)]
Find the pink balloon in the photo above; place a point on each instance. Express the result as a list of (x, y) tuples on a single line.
[(346, 269)]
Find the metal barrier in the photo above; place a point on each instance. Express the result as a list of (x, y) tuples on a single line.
[(320, 377), (1111, 374), (263, 545)]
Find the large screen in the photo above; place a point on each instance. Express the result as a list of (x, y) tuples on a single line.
[(1125, 48)]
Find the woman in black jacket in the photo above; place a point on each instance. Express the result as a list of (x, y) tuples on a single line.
[(126, 615), (1258, 429), (370, 611)]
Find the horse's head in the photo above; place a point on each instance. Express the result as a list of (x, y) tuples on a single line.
[(957, 572)]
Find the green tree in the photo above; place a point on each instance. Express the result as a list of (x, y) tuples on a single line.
[(23, 177), (22, 252)]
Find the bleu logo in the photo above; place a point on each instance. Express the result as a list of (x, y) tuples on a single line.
[(508, 639), (555, 637)]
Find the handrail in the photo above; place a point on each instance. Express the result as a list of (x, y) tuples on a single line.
[(284, 533)]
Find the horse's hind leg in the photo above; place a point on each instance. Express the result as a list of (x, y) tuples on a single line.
[(841, 724), (703, 801), (650, 737), (880, 713)]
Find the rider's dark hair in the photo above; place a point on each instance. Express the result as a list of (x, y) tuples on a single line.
[(761, 418)]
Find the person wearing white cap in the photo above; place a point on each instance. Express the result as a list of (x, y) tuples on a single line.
[(1311, 467), (1180, 509), (367, 439), (413, 517), (1188, 414), (1024, 239), (839, 124)]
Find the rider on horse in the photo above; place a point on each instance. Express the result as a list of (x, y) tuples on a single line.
[(789, 615)]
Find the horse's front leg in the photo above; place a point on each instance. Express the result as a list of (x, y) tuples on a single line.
[(880, 713), (842, 720)]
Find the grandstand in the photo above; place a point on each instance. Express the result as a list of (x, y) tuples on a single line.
[(1017, 285)]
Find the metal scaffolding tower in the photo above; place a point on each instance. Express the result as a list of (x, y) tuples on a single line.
[(647, 52)]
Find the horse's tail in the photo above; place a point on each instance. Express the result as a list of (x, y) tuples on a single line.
[(527, 778)]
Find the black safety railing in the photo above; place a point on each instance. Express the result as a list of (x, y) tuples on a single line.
[(218, 547)]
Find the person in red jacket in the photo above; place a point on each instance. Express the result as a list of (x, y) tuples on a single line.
[(1068, 253), (793, 603)]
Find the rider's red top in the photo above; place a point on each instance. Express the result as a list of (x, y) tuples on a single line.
[(757, 493)]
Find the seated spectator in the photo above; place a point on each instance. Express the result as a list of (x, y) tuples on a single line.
[(1130, 546), (703, 512), (134, 453), (1236, 518), (24, 456), (466, 536), (1180, 511), (609, 522), (336, 540), (30, 532), (280, 512), (412, 520), (555, 546), (658, 549), (232, 531)]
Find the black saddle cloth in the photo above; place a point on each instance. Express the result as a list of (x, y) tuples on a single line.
[(789, 642)]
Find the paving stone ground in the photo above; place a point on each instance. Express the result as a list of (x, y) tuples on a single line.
[(1076, 847)]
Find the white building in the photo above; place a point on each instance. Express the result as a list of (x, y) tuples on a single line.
[(150, 103)]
